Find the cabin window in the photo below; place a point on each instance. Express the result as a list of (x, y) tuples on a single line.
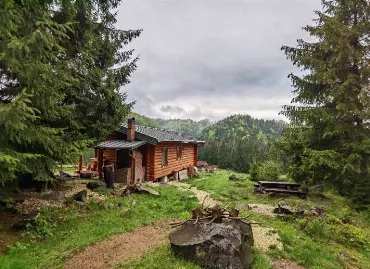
[(164, 157), (179, 152)]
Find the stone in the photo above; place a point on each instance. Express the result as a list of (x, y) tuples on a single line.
[(234, 177), (80, 196), (94, 185), (82, 204), (142, 190), (56, 196), (183, 174), (28, 222), (284, 210), (163, 179), (226, 245), (318, 188)]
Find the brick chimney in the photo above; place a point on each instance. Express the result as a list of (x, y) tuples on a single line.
[(131, 128)]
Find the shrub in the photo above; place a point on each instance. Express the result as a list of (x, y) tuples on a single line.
[(334, 229), (268, 170)]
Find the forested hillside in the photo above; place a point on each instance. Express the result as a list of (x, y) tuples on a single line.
[(144, 121), (239, 140), (187, 127)]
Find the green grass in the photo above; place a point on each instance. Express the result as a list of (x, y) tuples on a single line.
[(64, 231), (314, 243), (335, 242)]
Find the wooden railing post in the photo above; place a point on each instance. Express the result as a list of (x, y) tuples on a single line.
[(100, 163), (79, 167)]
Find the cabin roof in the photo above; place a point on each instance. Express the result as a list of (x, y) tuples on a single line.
[(120, 144), (156, 135)]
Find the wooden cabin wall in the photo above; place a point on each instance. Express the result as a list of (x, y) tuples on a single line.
[(174, 164), (150, 163), (111, 156)]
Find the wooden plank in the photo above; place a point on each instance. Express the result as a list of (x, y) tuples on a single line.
[(100, 164)]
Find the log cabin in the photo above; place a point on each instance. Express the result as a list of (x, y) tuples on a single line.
[(140, 153)]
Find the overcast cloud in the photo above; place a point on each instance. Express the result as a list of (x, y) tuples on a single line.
[(213, 58)]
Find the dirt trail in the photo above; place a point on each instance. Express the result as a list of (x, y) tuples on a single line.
[(108, 253)]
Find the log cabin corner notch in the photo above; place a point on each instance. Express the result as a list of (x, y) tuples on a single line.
[(141, 153)]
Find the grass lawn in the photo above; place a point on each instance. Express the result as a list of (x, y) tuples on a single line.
[(63, 231), (339, 241)]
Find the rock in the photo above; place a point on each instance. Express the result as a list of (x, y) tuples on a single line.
[(223, 245), (163, 179), (142, 190), (82, 204), (284, 210), (94, 185), (137, 188), (316, 211), (56, 196), (183, 174), (318, 188), (65, 174), (234, 177), (28, 222), (80, 196)]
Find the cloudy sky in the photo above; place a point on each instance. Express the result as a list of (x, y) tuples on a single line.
[(213, 58)]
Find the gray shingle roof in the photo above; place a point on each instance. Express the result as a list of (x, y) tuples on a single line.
[(120, 144), (155, 135)]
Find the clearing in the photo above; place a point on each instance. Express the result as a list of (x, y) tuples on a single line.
[(74, 236)]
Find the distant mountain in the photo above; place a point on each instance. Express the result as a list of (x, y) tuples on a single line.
[(242, 127), (238, 141), (234, 142), (144, 121), (188, 128)]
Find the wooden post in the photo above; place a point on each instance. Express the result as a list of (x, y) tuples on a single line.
[(100, 163), (133, 165), (195, 155), (79, 168)]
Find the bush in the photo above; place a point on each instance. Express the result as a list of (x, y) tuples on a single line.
[(268, 170), (334, 229)]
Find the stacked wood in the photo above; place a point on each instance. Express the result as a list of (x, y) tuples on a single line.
[(290, 188)]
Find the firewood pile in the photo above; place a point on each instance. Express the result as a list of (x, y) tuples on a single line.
[(212, 215)]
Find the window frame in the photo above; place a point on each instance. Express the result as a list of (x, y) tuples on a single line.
[(164, 157), (179, 151)]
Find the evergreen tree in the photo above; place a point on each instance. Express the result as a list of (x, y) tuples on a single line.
[(62, 64), (329, 137)]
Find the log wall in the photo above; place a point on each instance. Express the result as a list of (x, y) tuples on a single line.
[(174, 164), (111, 156)]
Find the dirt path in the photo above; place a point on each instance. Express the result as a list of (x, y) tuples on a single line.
[(108, 253)]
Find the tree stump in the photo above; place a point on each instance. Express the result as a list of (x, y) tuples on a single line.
[(108, 171)]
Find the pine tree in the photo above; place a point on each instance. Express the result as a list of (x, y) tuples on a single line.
[(62, 64), (330, 111)]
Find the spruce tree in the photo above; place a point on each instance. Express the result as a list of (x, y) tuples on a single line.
[(329, 136), (62, 66)]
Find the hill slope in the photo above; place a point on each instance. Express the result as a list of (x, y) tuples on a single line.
[(239, 140)]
